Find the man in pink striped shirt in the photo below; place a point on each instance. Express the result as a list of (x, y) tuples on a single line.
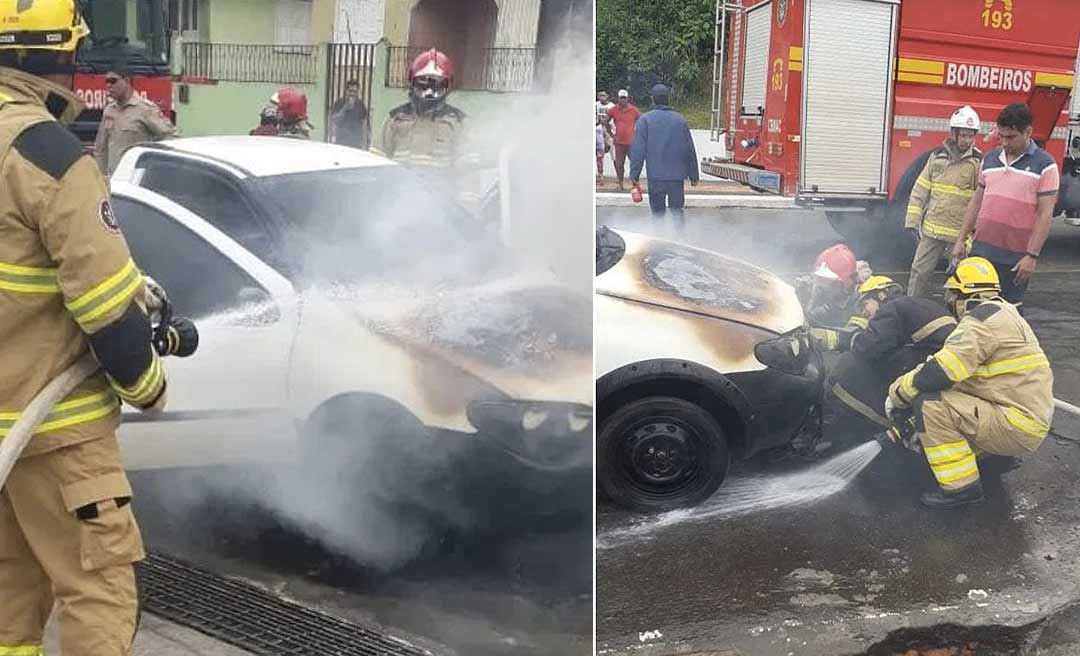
[(1011, 210)]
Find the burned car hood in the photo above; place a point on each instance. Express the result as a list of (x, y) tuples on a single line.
[(529, 339), (671, 275)]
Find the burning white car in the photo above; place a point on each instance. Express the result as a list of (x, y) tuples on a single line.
[(349, 316), (700, 359)]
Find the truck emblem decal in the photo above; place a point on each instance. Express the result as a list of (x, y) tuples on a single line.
[(781, 12), (23, 5)]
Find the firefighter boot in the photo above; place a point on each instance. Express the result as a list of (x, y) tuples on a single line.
[(941, 499)]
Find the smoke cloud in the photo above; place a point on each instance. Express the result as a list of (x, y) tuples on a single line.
[(385, 502)]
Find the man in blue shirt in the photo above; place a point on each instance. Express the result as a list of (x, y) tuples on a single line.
[(662, 145)]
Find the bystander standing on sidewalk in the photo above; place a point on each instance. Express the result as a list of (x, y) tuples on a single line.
[(603, 106), (349, 118), (601, 148), (1012, 207), (623, 117), (664, 147)]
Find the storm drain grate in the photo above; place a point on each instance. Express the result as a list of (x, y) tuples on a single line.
[(252, 619)]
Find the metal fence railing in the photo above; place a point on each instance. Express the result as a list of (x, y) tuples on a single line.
[(232, 62), (503, 69), (397, 65)]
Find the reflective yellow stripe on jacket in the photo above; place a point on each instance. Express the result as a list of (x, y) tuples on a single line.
[(950, 190), (114, 291), (859, 322), (940, 230), (76, 410), (931, 328), (1012, 365), (146, 388), (953, 367), (28, 280), (25, 650), (1025, 424)]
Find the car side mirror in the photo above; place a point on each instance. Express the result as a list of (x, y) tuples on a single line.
[(255, 307)]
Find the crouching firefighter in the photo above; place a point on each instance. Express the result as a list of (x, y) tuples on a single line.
[(989, 390), (828, 294), (67, 286), (901, 332)]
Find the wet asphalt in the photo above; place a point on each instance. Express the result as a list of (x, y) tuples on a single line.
[(506, 588), (864, 570)]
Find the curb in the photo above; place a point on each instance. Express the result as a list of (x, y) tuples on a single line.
[(609, 199)]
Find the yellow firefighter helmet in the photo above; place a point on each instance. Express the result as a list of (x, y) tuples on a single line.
[(974, 275), (876, 283), (55, 25)]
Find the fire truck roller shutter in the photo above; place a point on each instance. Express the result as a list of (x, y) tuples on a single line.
[(756, 58), (878, 234), (848, 52)]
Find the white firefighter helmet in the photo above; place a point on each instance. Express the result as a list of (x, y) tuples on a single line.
[(965, 118)]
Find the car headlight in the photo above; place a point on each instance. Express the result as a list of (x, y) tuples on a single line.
[(543, 434), (529, 416), (789, 352)]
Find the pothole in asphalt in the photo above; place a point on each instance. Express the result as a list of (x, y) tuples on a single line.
[(954, 640)]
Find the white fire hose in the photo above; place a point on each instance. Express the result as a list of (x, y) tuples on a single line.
[(1067, 407), (19, 435)]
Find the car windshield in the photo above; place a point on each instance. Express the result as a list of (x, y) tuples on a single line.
[(129, 31), (346, 225)]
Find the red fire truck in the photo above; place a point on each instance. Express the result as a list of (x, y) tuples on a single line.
[(134, 32), (837, 103)]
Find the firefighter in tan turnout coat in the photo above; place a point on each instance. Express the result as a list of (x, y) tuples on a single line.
[(940, 196), (67, 285), (988, 390)]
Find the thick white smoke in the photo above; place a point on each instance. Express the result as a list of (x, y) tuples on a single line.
[(383, 507)]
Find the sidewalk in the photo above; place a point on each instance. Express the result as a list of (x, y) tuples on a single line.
[(158, 637), (708, 185), (696, 200)]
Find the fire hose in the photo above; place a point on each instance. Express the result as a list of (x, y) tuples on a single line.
[(1067, 407), (166, 339), (19, 435)]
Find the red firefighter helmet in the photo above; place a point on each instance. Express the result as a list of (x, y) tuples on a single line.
[(836, 264), (432, 64), (292, 105)]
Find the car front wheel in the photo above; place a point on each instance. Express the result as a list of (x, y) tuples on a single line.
[(659, 453)]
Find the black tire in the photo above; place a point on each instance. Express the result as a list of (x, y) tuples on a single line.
[(853, 227), (692, 465), (878, 234), (373, 463)]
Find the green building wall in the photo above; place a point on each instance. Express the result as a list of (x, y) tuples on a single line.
[(241, 21), (233, 107)]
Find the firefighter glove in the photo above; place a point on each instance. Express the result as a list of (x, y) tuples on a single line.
[(154, 297), (902, 433), (179, 337), (825, 339), (831, 339)]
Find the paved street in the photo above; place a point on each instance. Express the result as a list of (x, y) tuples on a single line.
[(509, 594), (846, 574)]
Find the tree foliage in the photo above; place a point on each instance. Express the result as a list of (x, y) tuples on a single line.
[(641, 42)]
